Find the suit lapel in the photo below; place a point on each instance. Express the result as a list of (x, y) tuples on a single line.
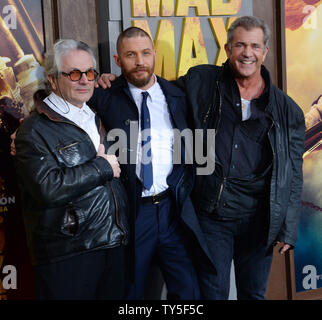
[(173, 96), (121, 85)]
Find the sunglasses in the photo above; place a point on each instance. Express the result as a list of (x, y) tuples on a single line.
[(76, 75)]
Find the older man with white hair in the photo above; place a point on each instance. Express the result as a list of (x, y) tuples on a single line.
[(74, 207)]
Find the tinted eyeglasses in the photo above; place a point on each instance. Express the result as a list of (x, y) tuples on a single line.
[(76, 75)]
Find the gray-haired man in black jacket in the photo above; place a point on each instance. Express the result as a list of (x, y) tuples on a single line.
[(74, 207)]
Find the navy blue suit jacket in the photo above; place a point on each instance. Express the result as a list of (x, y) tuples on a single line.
[(117, 109)]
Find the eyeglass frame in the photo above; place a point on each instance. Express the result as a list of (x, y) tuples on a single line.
[(65, 74)]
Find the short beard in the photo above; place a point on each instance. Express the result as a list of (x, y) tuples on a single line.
[(139, 83)]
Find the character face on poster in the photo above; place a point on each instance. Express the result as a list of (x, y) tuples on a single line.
[(21, 49), (304, 74)]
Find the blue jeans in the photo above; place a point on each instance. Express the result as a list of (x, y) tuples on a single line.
[(242, 240)]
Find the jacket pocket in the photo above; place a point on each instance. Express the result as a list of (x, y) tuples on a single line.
[(70, 154), (71, 222)]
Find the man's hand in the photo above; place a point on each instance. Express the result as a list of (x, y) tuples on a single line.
[(13, 138), (112, 160), (12, 145), (105, 80), (285, 247)]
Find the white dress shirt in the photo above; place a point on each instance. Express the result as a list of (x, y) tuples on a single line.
[(83, 117), (161, 137)]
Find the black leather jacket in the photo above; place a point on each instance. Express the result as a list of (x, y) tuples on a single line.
[(71, 202), (202, 85)]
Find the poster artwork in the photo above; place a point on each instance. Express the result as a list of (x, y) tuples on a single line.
[(21, 49), (304, 74)]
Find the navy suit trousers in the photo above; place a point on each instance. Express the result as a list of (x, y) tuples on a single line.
[(158, 236)]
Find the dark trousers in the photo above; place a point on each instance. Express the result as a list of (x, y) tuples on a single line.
[(93, 275), (242, 240), (158, 236)]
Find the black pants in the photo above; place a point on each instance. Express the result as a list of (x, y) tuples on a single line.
[(97, 275)]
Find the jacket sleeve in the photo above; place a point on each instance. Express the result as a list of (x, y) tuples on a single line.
[(41, 177), (181, 82), (99, 100), (289, 229)]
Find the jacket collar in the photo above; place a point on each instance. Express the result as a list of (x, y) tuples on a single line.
[(43, 109)]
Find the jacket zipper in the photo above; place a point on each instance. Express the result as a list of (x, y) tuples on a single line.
[(117, 214), (219, 118), (220, 105), (270, 142), (206, 120), (208, 115), (220, 191), (269, 139)]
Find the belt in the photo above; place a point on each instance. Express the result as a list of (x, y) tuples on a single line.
[(156, 198)]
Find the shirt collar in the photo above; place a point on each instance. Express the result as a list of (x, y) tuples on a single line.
[(64, 107)]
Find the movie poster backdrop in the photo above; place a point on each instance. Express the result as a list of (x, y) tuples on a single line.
[(184, 36), (303, 22), (21, 50)]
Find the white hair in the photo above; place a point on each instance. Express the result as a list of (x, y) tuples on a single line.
[(61, 48)]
